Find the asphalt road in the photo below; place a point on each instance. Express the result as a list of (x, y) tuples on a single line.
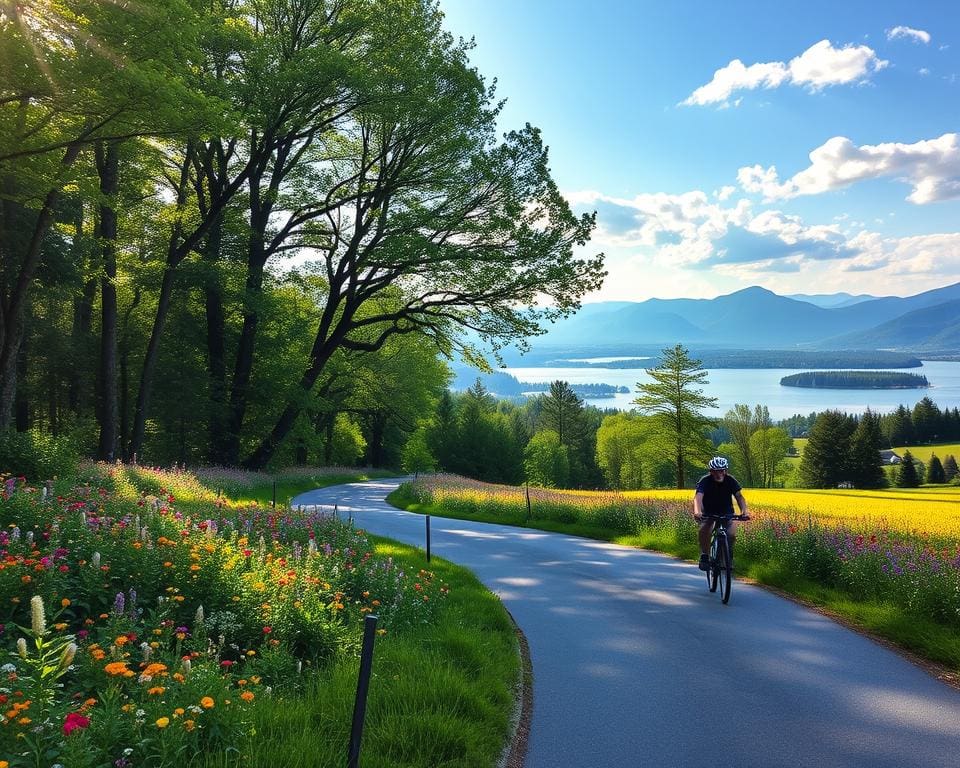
[(636, 664)]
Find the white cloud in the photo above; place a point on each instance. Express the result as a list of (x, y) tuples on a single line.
[(817, 67), (907, 33), (724, 193), (931, 166), (923, 71)]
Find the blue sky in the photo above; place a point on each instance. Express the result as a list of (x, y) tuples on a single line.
[(806, 147)]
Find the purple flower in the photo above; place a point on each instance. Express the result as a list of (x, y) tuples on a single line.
[(119, 602)]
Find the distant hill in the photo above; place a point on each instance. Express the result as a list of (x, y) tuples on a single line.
[(757, 318), (831, 300), (932, 328)]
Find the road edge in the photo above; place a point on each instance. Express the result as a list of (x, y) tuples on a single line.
[(515, 752)]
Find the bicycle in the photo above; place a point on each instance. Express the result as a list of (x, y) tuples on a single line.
[(720, 572)]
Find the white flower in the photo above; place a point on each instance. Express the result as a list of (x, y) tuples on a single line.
[(8, 668)]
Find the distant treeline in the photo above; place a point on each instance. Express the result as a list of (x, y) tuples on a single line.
[(506, 385), (855, 380), (765, 358)]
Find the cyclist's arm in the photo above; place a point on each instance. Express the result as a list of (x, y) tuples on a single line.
[(698, 505), (742, 503)]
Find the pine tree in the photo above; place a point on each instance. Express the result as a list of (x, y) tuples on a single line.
[(824, 463), (935, 471), (907, 476), (676, 402), (950, 469), (865, 464)]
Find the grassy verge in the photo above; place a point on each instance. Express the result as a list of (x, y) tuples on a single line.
[(441, 695), (912, 631)]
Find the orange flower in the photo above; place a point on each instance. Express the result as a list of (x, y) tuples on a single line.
[(206, 702), (116, 668), (121, 640), (247, 696), (65, 602), (188, 724), (156, 690)]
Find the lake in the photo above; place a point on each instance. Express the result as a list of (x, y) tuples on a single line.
[(762, 385)]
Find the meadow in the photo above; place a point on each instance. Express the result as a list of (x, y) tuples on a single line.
[(150, 617), (887, 561)]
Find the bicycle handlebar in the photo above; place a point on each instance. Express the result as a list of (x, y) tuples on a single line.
[(726, 517)]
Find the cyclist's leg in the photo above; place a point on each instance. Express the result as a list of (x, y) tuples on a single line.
[(731, 535), (703, 534), (706, 528)]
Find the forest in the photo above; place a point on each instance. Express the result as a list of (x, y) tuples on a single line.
[(248, 233)]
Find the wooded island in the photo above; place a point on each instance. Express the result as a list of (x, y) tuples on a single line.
[(855, 380)]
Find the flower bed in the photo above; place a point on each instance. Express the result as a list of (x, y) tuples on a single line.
[(140, 629)]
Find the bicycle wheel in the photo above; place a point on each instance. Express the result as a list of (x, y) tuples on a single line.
[(712, 572), (723, 568)]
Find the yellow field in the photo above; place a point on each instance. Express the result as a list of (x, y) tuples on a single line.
[(923, 452), (933, 510)]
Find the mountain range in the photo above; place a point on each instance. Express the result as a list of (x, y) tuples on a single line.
[(756, 318)]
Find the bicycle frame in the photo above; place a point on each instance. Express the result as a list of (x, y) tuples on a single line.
[(721, 567)]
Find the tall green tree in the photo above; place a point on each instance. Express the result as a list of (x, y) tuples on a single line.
[(769, 447), (824, 463), (676, 400), (423, 197), (950, 469), (546, 461), (907, 474), (864, 462), (741, 423), (935, 471)]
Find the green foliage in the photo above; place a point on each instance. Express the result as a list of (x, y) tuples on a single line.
[(865, 467), (38, 455), (769, 448), (950, 469), (416, 453), (825, 457), (676, 401), (908, 475), (632, 453), (935, 471), (546, 460)]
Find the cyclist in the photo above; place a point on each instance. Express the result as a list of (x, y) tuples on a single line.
[(715, 494)]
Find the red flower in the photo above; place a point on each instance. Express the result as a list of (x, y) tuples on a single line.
[(74, 721), (267, 630)]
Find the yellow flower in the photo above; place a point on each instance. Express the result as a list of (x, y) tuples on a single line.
[(188, 724), (206, 702), (163, 722)]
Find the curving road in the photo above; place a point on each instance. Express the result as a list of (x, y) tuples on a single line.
[(620, 642)]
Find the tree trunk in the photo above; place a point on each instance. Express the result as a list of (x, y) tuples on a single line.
[(13, 307), (22, 408), (108, 410), (150, 363), (243, 365), (216, 348)]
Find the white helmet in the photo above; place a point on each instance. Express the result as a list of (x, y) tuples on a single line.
[(718, 462)]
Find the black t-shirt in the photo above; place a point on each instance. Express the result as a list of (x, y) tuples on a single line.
[(718, 497)]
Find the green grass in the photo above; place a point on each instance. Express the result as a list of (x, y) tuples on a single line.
[(913, 632), (440, 696), (923, 452)]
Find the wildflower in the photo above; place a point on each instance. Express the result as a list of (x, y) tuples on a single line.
[(74, 721), (247, 695), (116, 668), (37, 618), (157, 690), (66, 658), (206, 702), (189, 725), (163, 722), (65, 602)]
